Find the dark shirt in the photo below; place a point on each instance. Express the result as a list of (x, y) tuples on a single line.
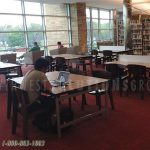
[(35, 48)]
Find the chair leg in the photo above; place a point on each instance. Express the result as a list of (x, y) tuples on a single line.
[(111, 100), (9, 101), (98, 101), (70, 103), (14, 118), (83, 101), (25, 126)]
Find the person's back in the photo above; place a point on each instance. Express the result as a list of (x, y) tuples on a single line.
[(34, 81), (35, 48), (31, 83)]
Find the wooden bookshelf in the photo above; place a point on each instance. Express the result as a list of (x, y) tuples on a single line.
[(146, 36), (137, 35)]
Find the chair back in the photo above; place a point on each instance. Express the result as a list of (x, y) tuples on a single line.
[(62, 50), (94, 52), (60, 64), (49, 58), (136, 71), (107, 53), (105, 75), (115, 70), (31, 57), (21, 99), (9, 58)]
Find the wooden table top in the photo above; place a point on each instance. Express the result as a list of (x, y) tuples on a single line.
[(76, 82), (71, 56), (4, 65), (125, 63)]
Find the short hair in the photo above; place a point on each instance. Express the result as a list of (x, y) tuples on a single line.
[(59, 43), (35, 43), (41, 63)]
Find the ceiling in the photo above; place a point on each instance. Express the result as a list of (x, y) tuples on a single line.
[(139, 6)]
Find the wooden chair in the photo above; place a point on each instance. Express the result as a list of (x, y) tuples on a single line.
[(20, 106), (52, 63), (108, 56), (119, 74), (136, 79), (95, 57), (84, 62), (60, 64), (99, 92), (31, 57), (77, 71)]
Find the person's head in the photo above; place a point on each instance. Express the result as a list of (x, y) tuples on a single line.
[(35, 43), (58, 43), (41, 64)]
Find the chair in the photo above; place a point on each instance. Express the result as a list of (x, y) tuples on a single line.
[(97, 59), (84, 62), (31, 57), (20, 106), (51, 61), (77, 71), (60, 64), (108, 56), (9, 58), (136, 78), (99, 92), (118, 73)]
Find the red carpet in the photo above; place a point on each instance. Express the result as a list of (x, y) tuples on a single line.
[(126, 128)]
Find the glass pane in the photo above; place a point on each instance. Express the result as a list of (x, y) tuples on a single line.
[(34, 23), (56, 23), (111, 34), (32, 8), (54, 37), (88, 12), (11, 23), (94, 13), (105, 35), (104, 14), (55, 10), (12, 41), (8, 6), (95, 35), (95, 23), (104, 24), (88, 23), (35, 37), (111, 24), (88, 35)]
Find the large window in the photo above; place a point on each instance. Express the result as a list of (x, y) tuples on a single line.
[(99, 26), (24, 22)]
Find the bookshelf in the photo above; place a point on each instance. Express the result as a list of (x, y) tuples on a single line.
[(146, 36), (137, 36), (120, 37)]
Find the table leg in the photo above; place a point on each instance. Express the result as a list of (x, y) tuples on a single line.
[(58, 117)]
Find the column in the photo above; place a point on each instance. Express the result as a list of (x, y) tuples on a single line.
[(127, 12)]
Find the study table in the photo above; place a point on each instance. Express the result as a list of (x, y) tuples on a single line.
[(70, 57), (7, 66), (78, 84), (125, 60)]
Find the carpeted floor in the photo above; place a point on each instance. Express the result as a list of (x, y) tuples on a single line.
[(125, 128)]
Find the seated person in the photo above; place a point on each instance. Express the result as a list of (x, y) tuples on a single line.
[(33, 82), (33, 49), (59, 45)]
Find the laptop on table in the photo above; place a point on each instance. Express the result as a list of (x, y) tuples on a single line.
[(62, 77)]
